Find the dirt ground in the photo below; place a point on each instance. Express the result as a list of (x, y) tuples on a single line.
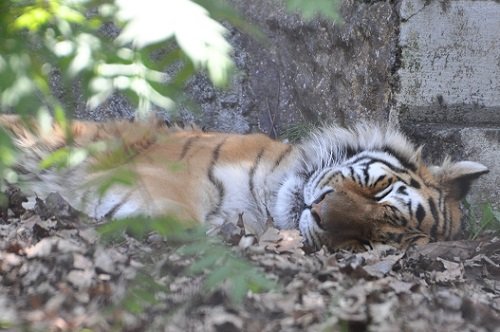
[(57, 274)]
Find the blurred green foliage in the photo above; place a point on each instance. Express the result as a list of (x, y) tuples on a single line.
[(67, 36), (329, 9), (213, 260), (41, 37), (482, 219), (298, 131)]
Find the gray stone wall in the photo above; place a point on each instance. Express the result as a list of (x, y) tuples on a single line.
[(430, 66), (315, 72), (449, 95)]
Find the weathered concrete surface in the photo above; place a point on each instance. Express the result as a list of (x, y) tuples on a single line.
[(463, 143), (314, 72), (450, 68), (449, 95), (304, 72)]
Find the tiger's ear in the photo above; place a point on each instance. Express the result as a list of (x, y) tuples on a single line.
[(457, 177)]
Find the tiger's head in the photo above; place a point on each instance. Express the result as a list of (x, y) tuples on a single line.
[(369, 185)]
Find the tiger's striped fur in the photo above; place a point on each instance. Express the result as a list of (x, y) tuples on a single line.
[(340, 187)]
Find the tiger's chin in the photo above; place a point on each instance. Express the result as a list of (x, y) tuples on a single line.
[(314, 236), (292, 211), (289, 204)]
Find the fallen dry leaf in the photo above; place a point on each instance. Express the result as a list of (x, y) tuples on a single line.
[(58, 276), (282, 241), (453, 272)]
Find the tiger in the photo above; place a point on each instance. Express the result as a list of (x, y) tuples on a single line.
[(339, 187)]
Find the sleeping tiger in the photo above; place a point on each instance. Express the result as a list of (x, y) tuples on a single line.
[(341, 188)]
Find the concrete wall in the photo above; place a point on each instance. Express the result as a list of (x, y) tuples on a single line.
[(449, 94)]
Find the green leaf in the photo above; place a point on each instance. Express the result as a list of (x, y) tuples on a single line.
[(32, 18), (239, 287), (200, 37), (112, 230), (120, 176), (56, 159), (218, 275), (496, 215), (170, 226), (140, 225), (69, 14), (7, 152), (489, 219), (206, 261), (329, 9), (142, 292)]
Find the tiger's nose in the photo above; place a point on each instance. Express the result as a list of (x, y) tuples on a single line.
[(316, 212)]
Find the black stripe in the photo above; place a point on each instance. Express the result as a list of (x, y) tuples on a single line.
[(447, 222), (334, 174), (216, 182), (372, 160), (435, 216), (354, 175), (420, 214), (403, 220), (187, 146), (396, 237), (414, 183), (387, 192), (111, 213), (386, 163), (251, 175), (380, 178), (415, 237), (396, 218), (281, 157), (366, 175), (402, 190), (410, 211), (351, 171), (350, 152), (404, 161)]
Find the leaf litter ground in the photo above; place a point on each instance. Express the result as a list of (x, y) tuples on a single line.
[(56, 274)]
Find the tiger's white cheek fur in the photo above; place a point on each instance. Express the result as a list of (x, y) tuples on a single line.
[(289, 203), (310, 229)]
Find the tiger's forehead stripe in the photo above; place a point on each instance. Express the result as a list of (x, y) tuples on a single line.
[(333, 145), (408, 164)]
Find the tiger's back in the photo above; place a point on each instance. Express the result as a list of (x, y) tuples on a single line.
[(209, 177)]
